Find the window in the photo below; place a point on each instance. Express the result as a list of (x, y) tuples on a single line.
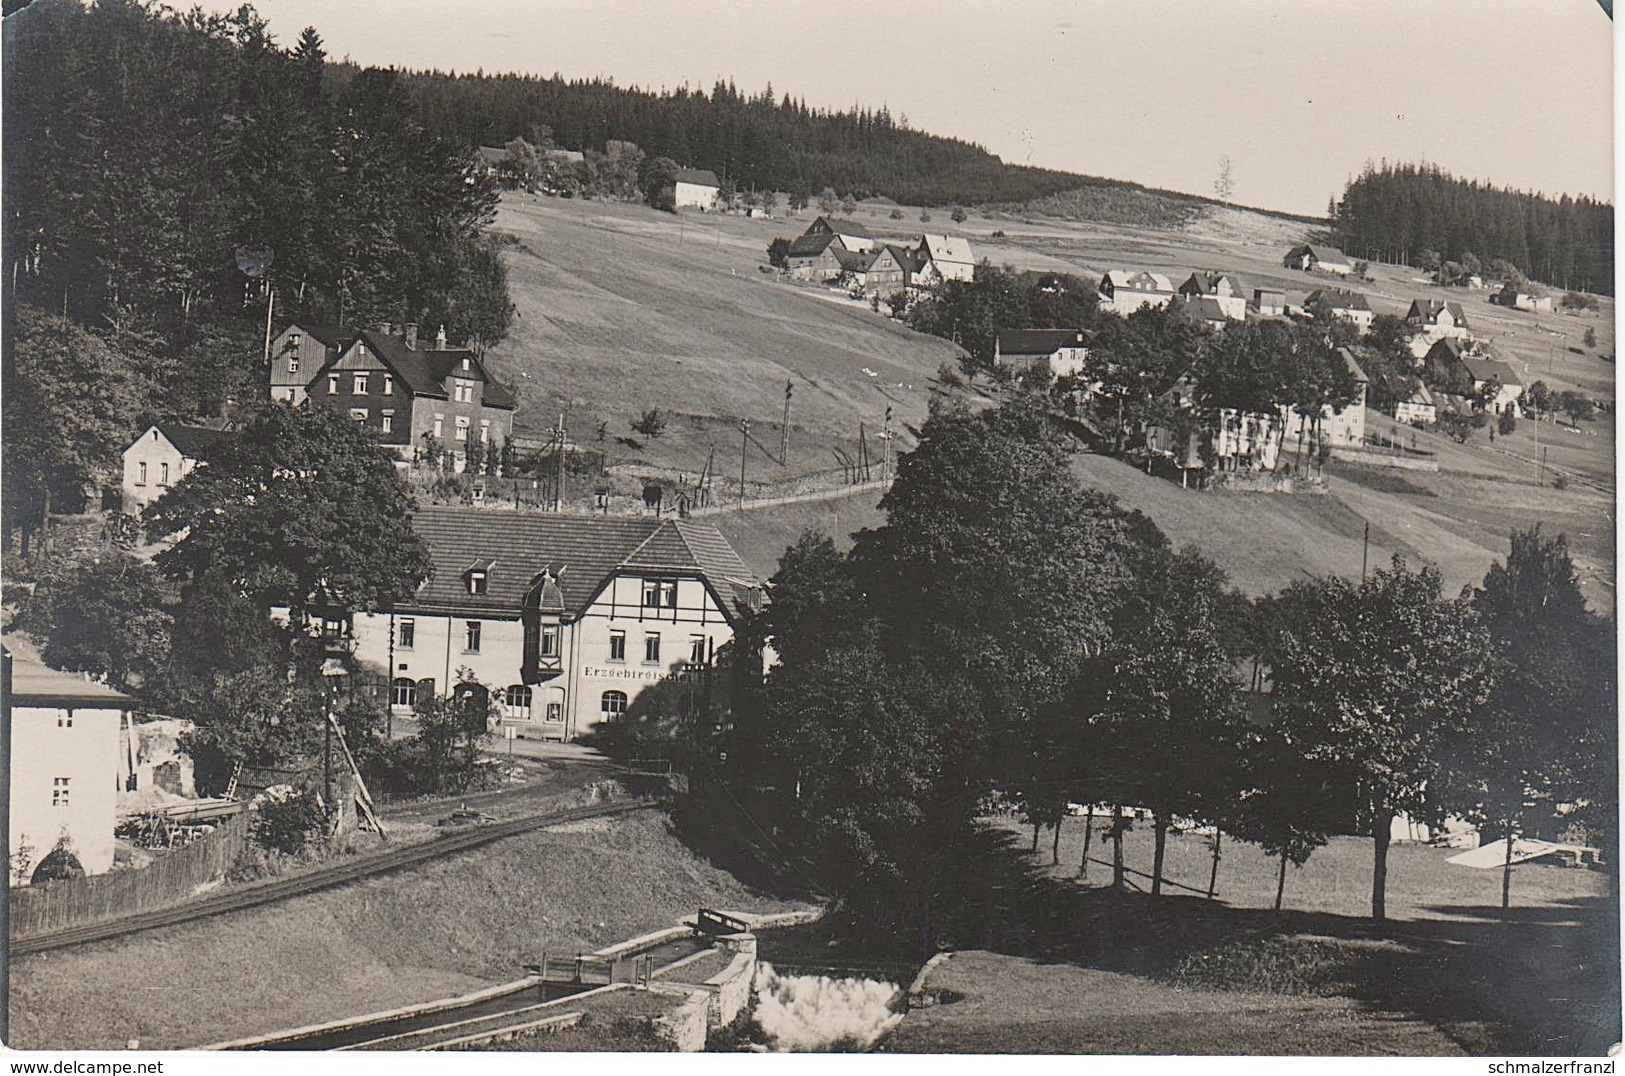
[(462, 427), (387, 423), (358, 413), (294, 340), (332, 384), (476, 582), (471, 637), (332, 628), (163, 474), (485, 431), (463, 391), (403, 692), (518, 702), (141, 474), (651, 647), (651, 593), (59, 785), (360, 386), (612, 704), (696, 650), (555, 711), (668, 594), (65, 721), (409, 633), (293, 363), (617, 645), (550, 641), (439, 426), (389, 384)]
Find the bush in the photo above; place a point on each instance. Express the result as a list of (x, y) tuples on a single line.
[(958, 215), (286, 819), (651, 423), (897, 214), (1507, 423)]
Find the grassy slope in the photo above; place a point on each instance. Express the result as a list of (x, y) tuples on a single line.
[(622, 308), (447, 928)]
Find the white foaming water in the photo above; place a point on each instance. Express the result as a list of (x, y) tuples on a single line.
[(809, 1013)]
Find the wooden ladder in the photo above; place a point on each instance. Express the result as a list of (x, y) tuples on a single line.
[(231, 786)]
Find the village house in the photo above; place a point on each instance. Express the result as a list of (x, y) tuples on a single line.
[(852, 236), (1316, 258), (695, 188), (1485, 371), (881, 271), (1514, 297), (302, 349), (65, 731), (1057, 352), (164, 454), (1205, 311), (1269, 302), (944, 257), (1348, 306), (415, 398), (1123, 292), (1435, 318), (1337, 426), (1222, 288), (569, 621), (1418, 409), (812, 257)]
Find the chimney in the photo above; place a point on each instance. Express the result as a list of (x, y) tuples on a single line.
[(411, 335), (440, 339)]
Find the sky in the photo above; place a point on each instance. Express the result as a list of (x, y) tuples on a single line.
[(1298, 95)]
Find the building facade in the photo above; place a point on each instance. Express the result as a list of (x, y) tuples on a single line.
[(568, 621), (164, 454), (1123, 292), (695, 188), (1223, 289), (66, 732), (1057, 352)]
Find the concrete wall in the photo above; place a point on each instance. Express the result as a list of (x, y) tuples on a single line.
[(79, 746), (684, 1029)]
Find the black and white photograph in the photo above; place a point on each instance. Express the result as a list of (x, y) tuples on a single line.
[(1036, 527)]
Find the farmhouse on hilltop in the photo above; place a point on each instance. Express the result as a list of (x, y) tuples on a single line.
[(1315, 258), (572, 621), (164, 454), (410, 397), (695, 188), (1057, 352), (1348, 306)]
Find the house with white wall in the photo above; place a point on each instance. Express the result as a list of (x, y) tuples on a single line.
[(1341, 305), (569, 621), (695, 188), (945, 257), (165, 453), (63, 733), (1223, 289), (1123, 292), (1057, 352), (1318, 258)]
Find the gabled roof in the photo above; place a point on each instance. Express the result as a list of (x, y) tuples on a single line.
[(1486, 369), (841, 227), (1117, 278), (1040, 341), (1428, 310), (1452, 347), (327, 335), (947, 248), (32, 684), (1202, 308), (1318, 252), (1420, 396), (701, 177), (1158, 281), (854, 261), (493, 154), (424, 372), (809, 246), (1353, 365), (907, 257), (1336, 299), (1206, 282), (581, 552), (194, 442)]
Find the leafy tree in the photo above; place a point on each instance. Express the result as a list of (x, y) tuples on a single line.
[(849, 205), (521, 165), (1507, 424), (1370, 681), (651, 423), (958, 215), (778, 253), (451, 730), (1576, 405), (659, 183), (896, 214), (300, 507), (1591, 337), (106, 617), (828, 201)]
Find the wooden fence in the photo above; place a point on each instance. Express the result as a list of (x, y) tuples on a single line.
[(169, 879)]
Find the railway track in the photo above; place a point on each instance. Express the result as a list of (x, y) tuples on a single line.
[(326, 878)]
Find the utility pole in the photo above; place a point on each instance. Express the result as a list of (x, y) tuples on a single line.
[(885, 435), (744, 443), (784, 433), (270, 303), (558, 490), (1365, 550), (1542, 465)]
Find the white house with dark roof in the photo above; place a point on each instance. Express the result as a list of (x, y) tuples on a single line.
[(1222, 288), (852, 236), (1057, 352), (165, 453), (1436, 317), (1318, 258), (1341, 305), (695, 188), (1417, 409), (64, 737), (1123, 292), (945, 257), (570, 621)]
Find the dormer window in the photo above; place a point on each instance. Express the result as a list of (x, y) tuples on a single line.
[(478, 575), (476, 582), (465, 364)]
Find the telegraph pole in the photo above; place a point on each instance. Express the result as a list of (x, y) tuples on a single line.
[(558, 490), (1365, 551), (885, 435), (744, 443), (784, 433)]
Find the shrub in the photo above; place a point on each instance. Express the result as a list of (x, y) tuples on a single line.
[(897, 214), (778, 253), (1507, 423), (651, 423), (286, 819)]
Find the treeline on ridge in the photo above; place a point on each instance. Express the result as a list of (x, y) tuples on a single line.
[(1397, 212)]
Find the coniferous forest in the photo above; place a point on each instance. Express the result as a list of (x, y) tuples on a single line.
[(1405, 212)]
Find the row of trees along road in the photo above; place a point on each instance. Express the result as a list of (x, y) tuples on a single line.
[(150, 149), (1007, 631)]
